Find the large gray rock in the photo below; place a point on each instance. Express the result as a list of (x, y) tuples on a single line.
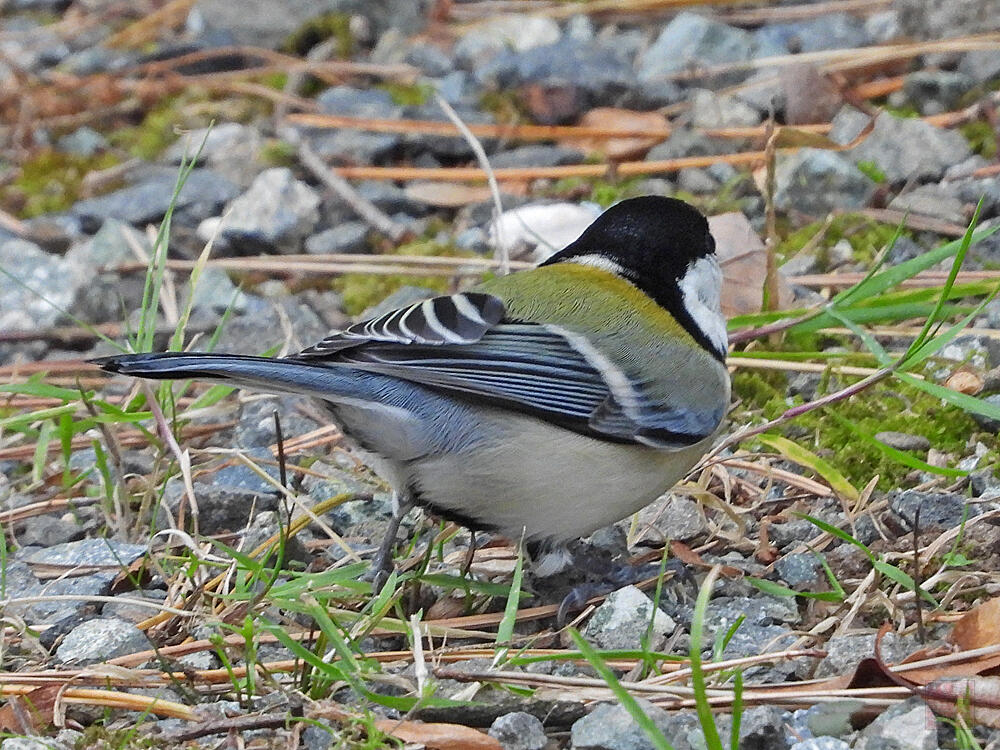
[(147, 201), (931, 200), (815, 181), (691, 41), (831, 31), (275, 214), (109, 296), (46, 285), (902, 148), (101, 639)]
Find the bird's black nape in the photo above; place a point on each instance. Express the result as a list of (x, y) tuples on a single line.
[(652, 239)]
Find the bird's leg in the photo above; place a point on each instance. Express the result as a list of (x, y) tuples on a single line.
[(470, 554), (382, 565)]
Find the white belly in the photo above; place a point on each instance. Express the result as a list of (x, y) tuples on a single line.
[(549, 482)]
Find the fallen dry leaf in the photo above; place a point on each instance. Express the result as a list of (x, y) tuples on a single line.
[(31, 712), (979, 627), (809, 95), (621, 148), (435, 736), (743, 259)]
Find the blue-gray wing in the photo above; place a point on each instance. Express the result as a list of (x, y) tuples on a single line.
[(532, 368)]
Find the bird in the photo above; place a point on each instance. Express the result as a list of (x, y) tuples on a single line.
[(540, 405)]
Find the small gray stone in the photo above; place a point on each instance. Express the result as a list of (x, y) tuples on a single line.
[(816, 181), (831, 31), (801, 571), (763, 728), (346, 237), (938, 510), (712, 110), (101, 639), (83, 142), (51, 284), (216, 293), (611, 727), (940, 19), (276, 213), (48, 531), (845, 652), (933, 201), (519, 731), (936, 91), (520, 32), (673, 517), (30, 743), (125, 608), (911, 724), (697, 181), (990, 424), (903, 441), (902, 148), (686, 142), (821, 743), (623, 620), (97, 552), (982, 65), (691, 41), (536, 155)]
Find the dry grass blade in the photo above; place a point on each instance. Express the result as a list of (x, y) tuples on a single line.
[(110, 699)]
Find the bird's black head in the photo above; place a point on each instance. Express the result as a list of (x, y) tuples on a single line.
[(662, 246)]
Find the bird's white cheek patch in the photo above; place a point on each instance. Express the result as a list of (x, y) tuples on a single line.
[(702, 289)]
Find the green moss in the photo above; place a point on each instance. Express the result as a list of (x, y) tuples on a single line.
[(889, 406), (981, 137), (408, 95), (98, 737), (158, 129), (866, 236), (871, 170), (319, 29), (50, 181), (362, 290), (278, 153)]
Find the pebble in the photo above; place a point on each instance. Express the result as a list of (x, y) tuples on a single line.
[(57, 279), (100, 640), (901, 148), (933, 201), (623, 620), (910, 725), (611, 727), (903, 441), (346, 237), (816, 182), (692, 41), (519, 731), (274, 215)]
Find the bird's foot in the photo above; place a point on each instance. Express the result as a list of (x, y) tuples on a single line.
[(615, 578)]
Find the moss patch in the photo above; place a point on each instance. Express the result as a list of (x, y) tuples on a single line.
[(890, 406), (981, 137), (319, 29), (50, 181), (362, 290), (866, 236)]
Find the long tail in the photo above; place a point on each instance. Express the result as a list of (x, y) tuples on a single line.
[(263, 373)]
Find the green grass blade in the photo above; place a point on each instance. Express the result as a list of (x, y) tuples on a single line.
[(698, 682), (961, 400), (895, 454), (803, 457), (505, 631)]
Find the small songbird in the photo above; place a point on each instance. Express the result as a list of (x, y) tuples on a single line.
[(543, 405)]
